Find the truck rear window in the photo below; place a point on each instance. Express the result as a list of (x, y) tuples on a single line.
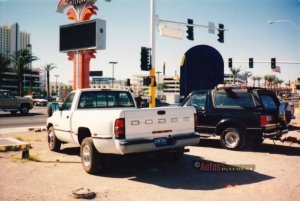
[(105, 99), (225, 99)]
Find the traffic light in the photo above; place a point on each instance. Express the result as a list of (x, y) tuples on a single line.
[(146, 59), (250, 62), (147, 81), (128, 82), (230, 62), (221, 33), (273, 63), (190, 30)]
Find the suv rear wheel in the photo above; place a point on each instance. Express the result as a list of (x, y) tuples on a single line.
[(232, 138)]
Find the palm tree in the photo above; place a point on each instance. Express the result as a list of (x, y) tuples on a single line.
[(269, 79), (277, 82), (48, 68), (19, 60), (235, 72), (246, 75), (258, 80), (4, 66), (254, 78)]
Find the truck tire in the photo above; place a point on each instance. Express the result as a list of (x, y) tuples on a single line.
[(24, 109), (90, 158), (232, 139), (53, 143)]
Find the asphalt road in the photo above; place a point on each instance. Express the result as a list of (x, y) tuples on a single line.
[(36, 117)]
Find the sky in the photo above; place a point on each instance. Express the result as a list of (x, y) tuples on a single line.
[(128, 29)]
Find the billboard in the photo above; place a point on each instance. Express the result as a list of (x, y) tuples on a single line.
[(202, 68), (89, 34)]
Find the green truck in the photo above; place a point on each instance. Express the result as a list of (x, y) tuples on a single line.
[(13, 104)]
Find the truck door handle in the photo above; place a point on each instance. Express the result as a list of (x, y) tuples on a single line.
[(67, 117), (161, 112)]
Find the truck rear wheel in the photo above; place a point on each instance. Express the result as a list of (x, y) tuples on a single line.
[(24, 109), (91, 160), (233, 139)]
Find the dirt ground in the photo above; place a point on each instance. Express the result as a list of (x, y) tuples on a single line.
[(207, 172)]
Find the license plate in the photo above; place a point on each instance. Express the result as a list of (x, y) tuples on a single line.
[(160, 142)]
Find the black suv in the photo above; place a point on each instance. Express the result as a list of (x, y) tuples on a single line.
[(240, 116)]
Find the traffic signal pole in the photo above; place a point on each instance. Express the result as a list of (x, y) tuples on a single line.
[(153, 22)]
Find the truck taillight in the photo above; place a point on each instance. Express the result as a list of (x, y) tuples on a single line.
[(195, 121), (263, 120), (120, 128)]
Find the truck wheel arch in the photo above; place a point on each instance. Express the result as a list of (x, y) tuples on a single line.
[(83, 133)]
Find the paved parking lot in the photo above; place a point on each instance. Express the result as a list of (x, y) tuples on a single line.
[(207, 172)]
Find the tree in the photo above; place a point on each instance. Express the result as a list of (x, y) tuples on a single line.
[(235, 72), (4, 66), (20, 59), (277, 82), (48, 68), (269, 79), (254, 78), (161, 86), (258, 78), (246, 75)]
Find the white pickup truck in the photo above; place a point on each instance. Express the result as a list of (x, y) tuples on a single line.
[(105, 122)]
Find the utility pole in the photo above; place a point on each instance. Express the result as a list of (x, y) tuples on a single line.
[(152, 46)]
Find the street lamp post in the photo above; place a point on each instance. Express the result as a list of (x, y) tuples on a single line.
[(285, 21), (158, 72), (113, 72), (56, 76)]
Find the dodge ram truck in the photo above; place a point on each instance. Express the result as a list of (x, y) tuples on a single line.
[(107, 121)]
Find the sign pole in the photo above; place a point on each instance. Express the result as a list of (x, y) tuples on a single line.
[(152, 46), (81, 10)]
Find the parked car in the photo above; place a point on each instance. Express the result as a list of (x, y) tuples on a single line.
[(240, 116), (38, 100), (12, 104), (104, 122)]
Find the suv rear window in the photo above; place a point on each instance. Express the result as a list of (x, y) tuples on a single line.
[(234, 99), (268, 102)]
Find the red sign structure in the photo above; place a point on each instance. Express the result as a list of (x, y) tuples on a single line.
[(80, 10)]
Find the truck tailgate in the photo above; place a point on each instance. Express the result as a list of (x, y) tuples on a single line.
[(150, 123)]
